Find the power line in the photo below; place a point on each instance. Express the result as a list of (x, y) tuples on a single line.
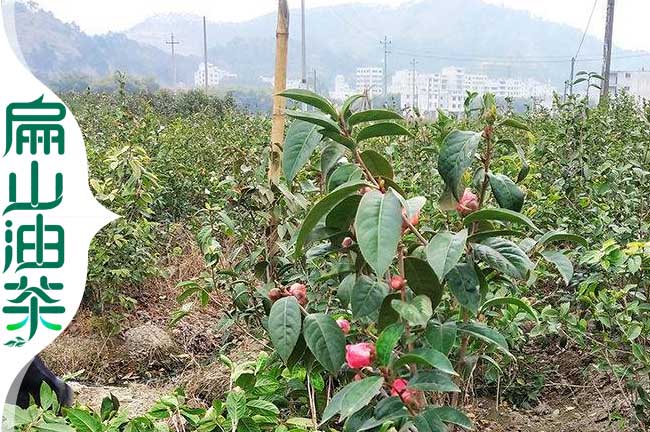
[(584, 34)]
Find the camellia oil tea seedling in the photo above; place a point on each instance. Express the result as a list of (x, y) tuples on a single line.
[(400, 327)]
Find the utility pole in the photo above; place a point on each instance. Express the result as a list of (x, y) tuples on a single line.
[(315, 90), (205, 53), (304, 45), (573, 66), (413, 97), (173, 42), (386, 43), (607, 50)]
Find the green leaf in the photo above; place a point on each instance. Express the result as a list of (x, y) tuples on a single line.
[(422, 280), (377, 164), (504, 256), (285, 323), (346, 108), (378, 226), (336, 136), (387, 342), (515, 123), (499, 214), (445, 250), (343, 174), (382, 130), (310, 98), (509, 300), (416, 312), (456, 155), (247, 424), (47, 396), (367, 296), (236, 407), (561, 262), (262, 407), (373, 115), (428, 421), (433, 380), (301, 141), (321, 208), (344, 291), (388, 315), (325, 340), (342, 216), (525, 168), (441, 337), (556, 236), (506, 192), (53, 427), (315, 118), (332, 153), (453, 416), (463, 283), (352, 398), (82, 420), (427, 357), (482, 235), (486, 334)]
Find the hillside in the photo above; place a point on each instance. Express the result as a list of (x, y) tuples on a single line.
[(60, 49)]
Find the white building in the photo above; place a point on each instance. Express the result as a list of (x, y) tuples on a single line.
[(370, 79), (215, 75), (635, 83), (448, 89), (342, 89)]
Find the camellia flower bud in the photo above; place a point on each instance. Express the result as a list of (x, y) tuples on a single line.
[(359, 355), (275, 294), (344, 325), (399, 388), (468, 203), (299, 291), (365, 189), (397, 282), (347, 242), (414, 219)]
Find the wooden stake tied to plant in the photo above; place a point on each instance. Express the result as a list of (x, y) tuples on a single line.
[(280, 83)]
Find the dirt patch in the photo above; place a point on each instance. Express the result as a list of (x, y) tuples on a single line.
[(135, 398)]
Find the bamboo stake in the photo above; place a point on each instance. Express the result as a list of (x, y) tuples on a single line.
[(280, 84)]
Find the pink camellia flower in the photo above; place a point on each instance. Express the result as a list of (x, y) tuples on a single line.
[(344, 325), (347, 242), (397, 282), (468, 203), (399, 388), (359, 355)]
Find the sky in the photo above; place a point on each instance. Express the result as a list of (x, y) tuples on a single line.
[(631, 29)]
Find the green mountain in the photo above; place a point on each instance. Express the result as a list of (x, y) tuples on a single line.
[(467, 33)]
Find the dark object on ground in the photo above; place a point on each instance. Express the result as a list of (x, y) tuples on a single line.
[(36, 374)]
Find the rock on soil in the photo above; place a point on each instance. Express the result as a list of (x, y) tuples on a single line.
[(148, 342)]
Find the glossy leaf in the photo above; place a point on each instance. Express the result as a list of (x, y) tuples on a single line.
[(416, 311), (441, 337), (352, 398), (388, 315), (482, 235), (486, 334), (453, 416), (378, 227), (561, 236), (496, 301), (456, 155), (382, 130), (315, 118), (433, 380), (342, 174), (322, 208), (325, 340), (463, 283), (367, 296), (506, 192), (342, 215), (515, 123), (373, 115), (422, 280), (377, 164), (301, 141), (561, 262), (387, 341), (427, 357), (332, 153), (336, 136), (498, 214), (428, 421), (504, 256), (285, 323), (445, 250), (310, 98)]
